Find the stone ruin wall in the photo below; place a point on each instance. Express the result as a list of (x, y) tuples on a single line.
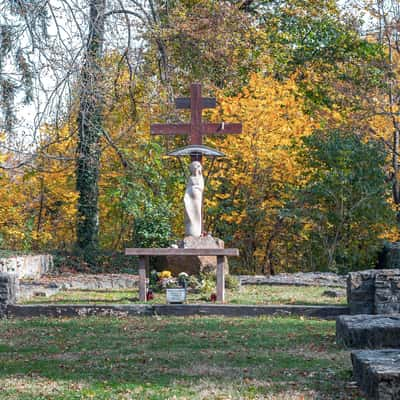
[(27, 267), (374, 291)]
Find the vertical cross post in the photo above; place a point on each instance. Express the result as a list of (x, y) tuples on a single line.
[(221, 279), (195, 111)]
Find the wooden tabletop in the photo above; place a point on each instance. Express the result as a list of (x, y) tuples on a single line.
[(181, 252)]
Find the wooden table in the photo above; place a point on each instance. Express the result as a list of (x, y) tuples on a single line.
[(144, 255)]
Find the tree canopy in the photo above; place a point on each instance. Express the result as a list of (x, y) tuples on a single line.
[(304, 187)]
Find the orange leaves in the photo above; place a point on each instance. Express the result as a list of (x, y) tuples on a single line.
[(37, 203), (273, 119), (261, 163)]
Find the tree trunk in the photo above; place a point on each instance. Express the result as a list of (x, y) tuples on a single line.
[(89, 132), (395, 156), (395, 164), (268, 263), (388, 12)]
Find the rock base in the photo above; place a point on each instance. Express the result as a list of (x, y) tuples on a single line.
[(374, 291), (196, 264), (368, 331), (378, 373)]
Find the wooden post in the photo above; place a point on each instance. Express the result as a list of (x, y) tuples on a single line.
[(221, 279), (195, 125), (142, 278)]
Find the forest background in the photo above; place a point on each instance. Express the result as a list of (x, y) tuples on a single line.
[(311, 184)]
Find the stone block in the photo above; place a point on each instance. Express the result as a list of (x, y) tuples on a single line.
[(196, 264), (374, 291), (8, 289), (27, 267), (378, 373), (361, 291), (368, 331), (387, 292)]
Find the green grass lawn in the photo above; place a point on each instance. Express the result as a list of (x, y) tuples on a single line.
[(248, 294), (172, 358)]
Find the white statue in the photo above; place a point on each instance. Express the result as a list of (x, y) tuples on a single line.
[(193, 200)]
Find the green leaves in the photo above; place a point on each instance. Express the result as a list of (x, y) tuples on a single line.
[(146, 195), (343, 204)]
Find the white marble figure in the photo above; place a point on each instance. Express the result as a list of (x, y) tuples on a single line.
[(193, 200)]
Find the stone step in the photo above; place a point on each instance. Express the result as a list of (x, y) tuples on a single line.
[(378, 373), (368, 331), (183, 310)]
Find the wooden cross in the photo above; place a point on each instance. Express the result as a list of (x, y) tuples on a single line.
[(196, 129)]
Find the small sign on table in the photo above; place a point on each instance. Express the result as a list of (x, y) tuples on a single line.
[(176, 296)]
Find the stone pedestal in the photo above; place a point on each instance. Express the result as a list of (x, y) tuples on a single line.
[(196, 264), (378, 373), (387, 292), (361, 291), (368, 331), (374, 291)]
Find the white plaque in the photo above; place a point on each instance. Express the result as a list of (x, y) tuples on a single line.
[(176, 296)]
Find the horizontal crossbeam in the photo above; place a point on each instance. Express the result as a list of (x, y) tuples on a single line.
[(221, 128), (206, 102), (170, 129), (205, 129)]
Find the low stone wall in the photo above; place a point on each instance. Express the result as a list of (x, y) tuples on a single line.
[(78, 310), (50, 285), (374, 291), (182, 310), (297, 279), (242, 310), (27, 267)]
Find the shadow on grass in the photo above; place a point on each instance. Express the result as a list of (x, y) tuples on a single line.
[(166, 357)]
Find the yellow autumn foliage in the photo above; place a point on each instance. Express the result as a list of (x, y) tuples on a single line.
[(253, 180), (38, 202), (243, 201)]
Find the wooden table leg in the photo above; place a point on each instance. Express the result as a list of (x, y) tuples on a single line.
[(142, 278), (220, 279)]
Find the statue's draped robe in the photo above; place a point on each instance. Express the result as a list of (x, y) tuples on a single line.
[(193, 201)]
